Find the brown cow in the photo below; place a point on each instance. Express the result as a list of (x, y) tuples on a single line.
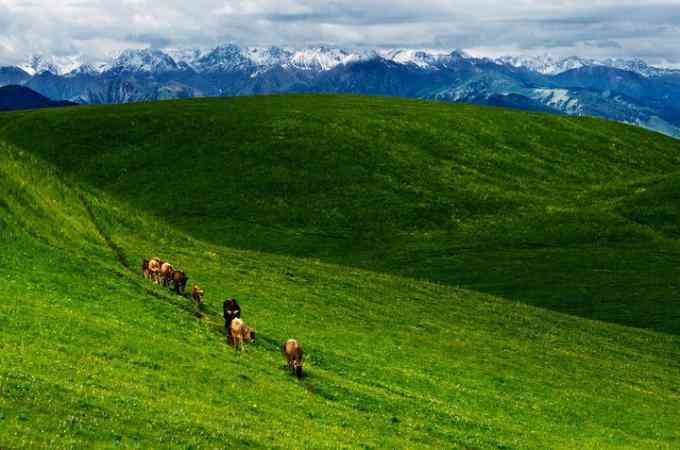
[(293, 353), (232, 311), (241, 333), (197, 294), (166, 273), (179, 279)]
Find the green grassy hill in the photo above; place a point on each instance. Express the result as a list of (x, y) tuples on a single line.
[(406, 244)]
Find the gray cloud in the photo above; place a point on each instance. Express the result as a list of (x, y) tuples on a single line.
[(98, 28), (603, 44), (150, 40)]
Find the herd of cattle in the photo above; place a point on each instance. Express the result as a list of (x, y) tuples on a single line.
[(236, 331)]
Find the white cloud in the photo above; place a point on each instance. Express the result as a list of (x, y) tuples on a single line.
[(95, 28)]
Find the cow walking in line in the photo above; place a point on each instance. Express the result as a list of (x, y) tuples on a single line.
[(241, 333), (232, 311), (154, 268), (179, 280), (197, 294), (293, 353), (166, 273)]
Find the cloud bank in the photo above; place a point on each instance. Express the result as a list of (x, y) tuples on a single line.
[(99, 28)]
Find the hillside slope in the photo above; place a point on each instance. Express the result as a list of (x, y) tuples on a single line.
[(531, 207), (92, 355)]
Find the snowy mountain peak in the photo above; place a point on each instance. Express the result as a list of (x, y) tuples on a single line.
[(225, 52), (323, 58), (635, 65), (55, 65), (544, 64), (266, 57), (460, 54), (38, 64), (87, 69), (226, 58), (549, 65), (144, 60), (424, 59), (187, 56)]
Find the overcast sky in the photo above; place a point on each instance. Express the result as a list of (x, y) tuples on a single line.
[(98, 28)]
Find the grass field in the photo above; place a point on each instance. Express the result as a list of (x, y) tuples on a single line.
[(424, 254)]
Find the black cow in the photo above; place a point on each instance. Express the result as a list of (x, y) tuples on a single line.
[(232, 311)]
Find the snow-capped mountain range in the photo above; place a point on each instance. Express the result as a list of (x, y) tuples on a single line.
[(323, 58), (549, 65), (627, 90)]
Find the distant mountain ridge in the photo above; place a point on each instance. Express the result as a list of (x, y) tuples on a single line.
[(626, 90), (13, 98), (548, 65)]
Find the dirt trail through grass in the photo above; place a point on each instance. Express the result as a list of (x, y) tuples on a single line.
[(119, 254), (117, 251)]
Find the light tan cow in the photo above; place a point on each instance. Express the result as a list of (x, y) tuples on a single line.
[(240, 333), (293, 353), (154, 268)]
